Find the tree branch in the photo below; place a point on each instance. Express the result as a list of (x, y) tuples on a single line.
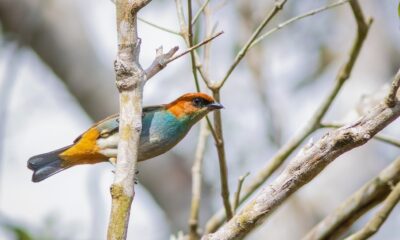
[(130, 80), (196, 181), (305, 166), (312, 125), (191, 43), (277, 7), (367, 197), (295, 19), (380, 217), (201, 9), (159, 27), (237, 193), (162, 60), (379, 137), (219, 143)]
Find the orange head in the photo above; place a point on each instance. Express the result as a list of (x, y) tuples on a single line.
[(193, 105)]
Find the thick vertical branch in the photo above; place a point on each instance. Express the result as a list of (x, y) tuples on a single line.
[(130, 79)]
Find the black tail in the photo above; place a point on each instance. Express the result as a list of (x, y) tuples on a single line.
[(46, 164)]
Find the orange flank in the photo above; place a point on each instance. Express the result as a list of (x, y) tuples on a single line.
[(84, 151), (183, 106)]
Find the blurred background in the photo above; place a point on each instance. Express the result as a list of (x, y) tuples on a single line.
[(56, 79)]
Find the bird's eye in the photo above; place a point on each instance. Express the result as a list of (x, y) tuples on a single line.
[(198, 102)]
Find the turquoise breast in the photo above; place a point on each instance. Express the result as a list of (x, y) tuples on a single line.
[(161, 131)]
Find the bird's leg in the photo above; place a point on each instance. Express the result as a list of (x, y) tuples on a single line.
[(136, 180)]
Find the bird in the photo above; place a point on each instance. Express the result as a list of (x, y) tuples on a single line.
[(163, 126)]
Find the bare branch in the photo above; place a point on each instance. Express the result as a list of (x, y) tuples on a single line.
[(304, 167), (312, 125), (380, 217), (379, 137), (201, 9), (194, 47), (277, 7), (292, 20), (160, 62), (391, 98), (130, 80), (196, 182), (367, 197), (223, 169), (237, 193), (191, 43), (159, 27)]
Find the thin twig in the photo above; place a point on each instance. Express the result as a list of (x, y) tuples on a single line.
[(380, 137), (197, 15), (237, 193), (196, 181), (192, 48), (295, 19), (380, 217), (159, 27), (391, 99), (191, 43), (277, 7), (312, 125), (223, 169), (355, 206)]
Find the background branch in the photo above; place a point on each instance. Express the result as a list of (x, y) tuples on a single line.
[(197, 180), (364, 199), (380, 217)]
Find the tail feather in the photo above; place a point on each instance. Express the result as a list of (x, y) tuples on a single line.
[(46, 164)]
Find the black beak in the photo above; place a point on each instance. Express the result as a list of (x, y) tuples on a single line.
[(214, 106)]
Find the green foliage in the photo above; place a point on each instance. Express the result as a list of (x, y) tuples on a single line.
[(398, 9), (19, 232)]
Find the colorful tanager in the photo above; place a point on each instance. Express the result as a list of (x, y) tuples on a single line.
[(163, 126)]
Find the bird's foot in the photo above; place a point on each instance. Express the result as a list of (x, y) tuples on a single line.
[(136, 180)]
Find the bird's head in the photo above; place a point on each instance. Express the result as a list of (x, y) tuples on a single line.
[(193, 106)]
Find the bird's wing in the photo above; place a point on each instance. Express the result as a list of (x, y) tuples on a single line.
[(110, 124), (105, 126)]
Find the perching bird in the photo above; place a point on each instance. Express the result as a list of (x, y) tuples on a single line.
[(163, 126)]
